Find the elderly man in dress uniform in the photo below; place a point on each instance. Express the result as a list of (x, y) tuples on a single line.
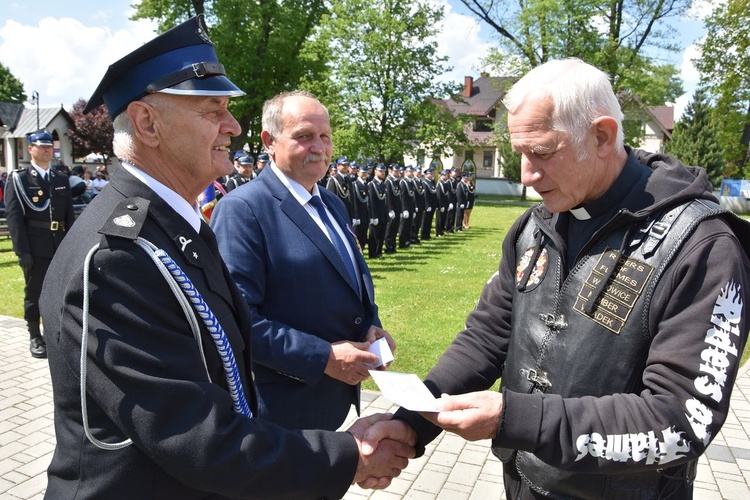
[(144, 320), (39, 211)]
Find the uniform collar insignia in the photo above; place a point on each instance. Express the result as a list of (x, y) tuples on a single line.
[(124, 221)]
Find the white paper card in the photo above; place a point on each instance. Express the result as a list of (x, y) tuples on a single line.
[(383, 352), (405, 389)]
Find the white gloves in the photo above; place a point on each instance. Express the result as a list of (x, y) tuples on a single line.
[(392, 214), (374, 222)]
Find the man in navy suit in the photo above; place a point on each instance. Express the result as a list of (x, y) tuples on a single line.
[(288, 260)]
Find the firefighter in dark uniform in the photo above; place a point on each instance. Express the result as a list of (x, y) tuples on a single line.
[(408, 207), (419, 190), (462, 199), (451, 218), (444, 202), (39, 211), (393, 197), (361, 206), (430, 202), (244, 173), (260, 163), (340, 185), (378, 212)]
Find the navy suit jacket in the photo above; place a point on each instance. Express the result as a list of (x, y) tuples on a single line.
[(301, 299)]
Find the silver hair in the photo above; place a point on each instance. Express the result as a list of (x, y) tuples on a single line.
[(123, 142), (580, 94), (273, 111)]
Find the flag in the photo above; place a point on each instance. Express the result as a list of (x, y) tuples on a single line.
[(209, 197)]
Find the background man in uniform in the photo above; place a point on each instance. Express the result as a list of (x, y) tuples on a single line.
[(393, 196), (617, 317), (289, 248), (419, 201), (244, 174), (260, 162), (378, 212), (162, 417), (444, 203), (408, 207), (361, 194), (39, 212), (340, 184), (430, 202), (462, 199)]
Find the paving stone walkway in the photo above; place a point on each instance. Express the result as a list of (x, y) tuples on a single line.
[(451, 469)]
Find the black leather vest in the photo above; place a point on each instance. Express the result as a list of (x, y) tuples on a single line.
[(588, 335)]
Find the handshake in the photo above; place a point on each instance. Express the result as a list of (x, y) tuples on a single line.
[(385, 447)]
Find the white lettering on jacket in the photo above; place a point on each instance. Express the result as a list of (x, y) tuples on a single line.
[(637, 447), (721, 340)]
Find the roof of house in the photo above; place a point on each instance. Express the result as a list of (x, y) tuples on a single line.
[(26, 121), (484, 95), (663, 116)]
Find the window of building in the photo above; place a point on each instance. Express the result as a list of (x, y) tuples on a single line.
[(483, 125), (487, 161)]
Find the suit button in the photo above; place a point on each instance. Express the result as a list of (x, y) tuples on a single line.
[(358, 320)]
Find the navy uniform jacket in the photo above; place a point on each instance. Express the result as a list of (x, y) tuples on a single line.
[(341, 186), (145, 377), (361, 202), (25, 224), (301, 299), (377, 199)]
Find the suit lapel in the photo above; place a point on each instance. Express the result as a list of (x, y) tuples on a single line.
[(301, 218)]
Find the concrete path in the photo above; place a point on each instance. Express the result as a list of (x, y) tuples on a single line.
[(452, 469)]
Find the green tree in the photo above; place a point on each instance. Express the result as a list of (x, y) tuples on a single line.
[(724, 65), (695, 139), (613, 35), (11, 88), (262, 44), (383, 77)]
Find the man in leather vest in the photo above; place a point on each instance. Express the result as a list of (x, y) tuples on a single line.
[(616, 319)]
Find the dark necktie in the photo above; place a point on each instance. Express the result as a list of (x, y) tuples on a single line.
[(209, 238), (335, 238)]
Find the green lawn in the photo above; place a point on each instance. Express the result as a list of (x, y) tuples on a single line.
[(424, 293)]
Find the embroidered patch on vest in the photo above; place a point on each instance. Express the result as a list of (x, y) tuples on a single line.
[(620, 293), (539, 270)]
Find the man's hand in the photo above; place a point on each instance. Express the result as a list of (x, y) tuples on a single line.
[(374, 222), (442, 210), (355, 222), (429, 209), (392, 214), (450, 206), (472, 416), (375, 333), (26, 261), (346, 362), (385, 446), (405, 214)]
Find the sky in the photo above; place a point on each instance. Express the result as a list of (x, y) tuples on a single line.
[(61, 49)]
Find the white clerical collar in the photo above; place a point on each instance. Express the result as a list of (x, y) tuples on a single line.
[(580, 213), (191, 213)]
